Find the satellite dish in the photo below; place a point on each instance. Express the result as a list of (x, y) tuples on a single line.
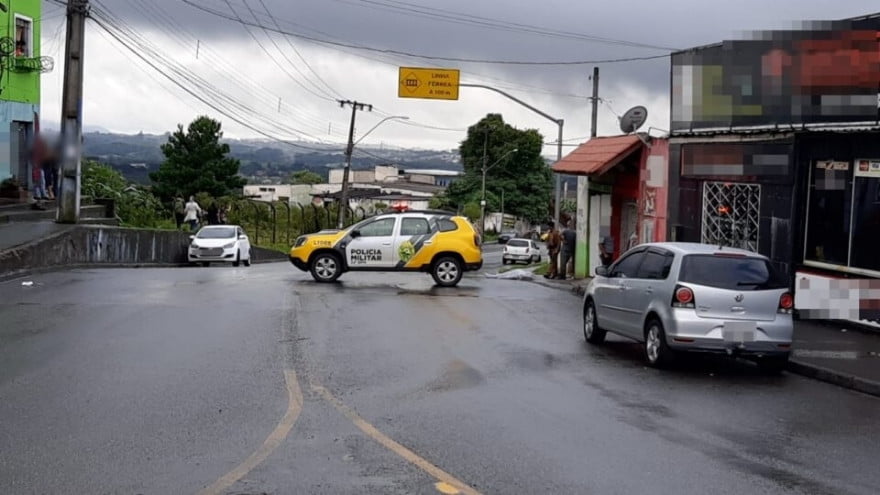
[(634, 118)]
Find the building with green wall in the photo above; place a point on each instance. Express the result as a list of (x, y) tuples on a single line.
[(20, 67)]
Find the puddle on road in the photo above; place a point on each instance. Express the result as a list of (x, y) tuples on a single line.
[(439, 292), (456, 376)]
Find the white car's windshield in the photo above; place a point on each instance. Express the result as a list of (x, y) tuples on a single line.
[(217, 233)]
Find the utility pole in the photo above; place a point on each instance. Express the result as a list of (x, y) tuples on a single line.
[(595, 101), (343, 201), (502, 210), (582, 224), (71, 111), (557, 197), (483, 197)]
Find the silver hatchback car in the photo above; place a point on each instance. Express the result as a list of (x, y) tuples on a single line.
[(693, 297)]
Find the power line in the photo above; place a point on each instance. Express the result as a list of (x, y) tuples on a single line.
[(298, 54), (396, 61), (218, 64), (283, 54), (423, 56), (129, 39), (266, 51), (444, 15)]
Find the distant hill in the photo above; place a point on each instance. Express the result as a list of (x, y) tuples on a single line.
[(262, 161)]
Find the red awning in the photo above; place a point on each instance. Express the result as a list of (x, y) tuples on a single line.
[(598, 155)]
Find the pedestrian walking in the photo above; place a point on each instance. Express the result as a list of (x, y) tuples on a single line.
[(554, 241), (179, 210), (569, 237), (213, 214), (192, 211)]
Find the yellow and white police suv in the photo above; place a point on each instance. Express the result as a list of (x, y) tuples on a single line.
[(436, 242)]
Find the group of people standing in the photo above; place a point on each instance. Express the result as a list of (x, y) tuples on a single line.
[(192, 214), (561, 246)]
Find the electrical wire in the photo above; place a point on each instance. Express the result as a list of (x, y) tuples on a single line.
[(397, 61), (244, 23), (423, 56), (323, 91), (219, 65), (461, 18), (139, 47), (298, 54), (129, 40)]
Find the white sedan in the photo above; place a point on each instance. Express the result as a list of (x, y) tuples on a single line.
[(517, 250), (223, 243)]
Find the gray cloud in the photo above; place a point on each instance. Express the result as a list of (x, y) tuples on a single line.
[(174, 26)]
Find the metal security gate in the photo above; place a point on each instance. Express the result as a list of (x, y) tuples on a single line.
[(731, 214)]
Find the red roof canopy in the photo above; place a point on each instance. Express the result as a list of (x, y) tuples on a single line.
[(598, 155)]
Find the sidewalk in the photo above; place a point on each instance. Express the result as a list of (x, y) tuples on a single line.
[(837, 353), (840, 353)]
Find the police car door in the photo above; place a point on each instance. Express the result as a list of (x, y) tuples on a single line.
[(371, 245)]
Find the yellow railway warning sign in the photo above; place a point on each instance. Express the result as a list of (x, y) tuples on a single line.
[(426, 83)]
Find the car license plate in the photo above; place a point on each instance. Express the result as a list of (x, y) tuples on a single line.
[(739, 331), (211, 251)]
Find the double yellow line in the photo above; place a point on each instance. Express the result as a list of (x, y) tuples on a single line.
[(446, 483)]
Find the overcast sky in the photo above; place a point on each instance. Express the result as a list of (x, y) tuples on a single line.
[(123, 94)]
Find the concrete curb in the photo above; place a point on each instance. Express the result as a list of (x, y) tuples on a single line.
[(844, 380), (850, 324), (573, 289)]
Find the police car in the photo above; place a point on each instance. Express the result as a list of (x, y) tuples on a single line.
[(435, 242)]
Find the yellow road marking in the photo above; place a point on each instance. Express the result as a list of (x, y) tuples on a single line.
[(446, 480), (446, 488), (294, 407)]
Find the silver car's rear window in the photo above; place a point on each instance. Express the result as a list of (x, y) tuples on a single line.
[(518, 243), (730, 272)]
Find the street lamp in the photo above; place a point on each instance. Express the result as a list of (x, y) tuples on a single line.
[(343, 200), (386, 119), (483, 201)]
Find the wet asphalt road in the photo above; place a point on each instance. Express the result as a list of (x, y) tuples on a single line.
[(257, 380)]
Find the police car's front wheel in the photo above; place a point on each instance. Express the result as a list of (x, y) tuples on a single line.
[(447, 271), (326, 267)]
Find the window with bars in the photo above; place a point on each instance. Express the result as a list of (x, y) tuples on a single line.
[(731, 214)]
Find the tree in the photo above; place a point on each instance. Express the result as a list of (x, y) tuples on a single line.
[(523, 175), (305, 177), (471, 211), (135, 206), (440, 201), (196, 161)]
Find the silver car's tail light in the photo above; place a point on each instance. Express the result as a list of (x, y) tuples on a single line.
[(683, 297), (786, 303)]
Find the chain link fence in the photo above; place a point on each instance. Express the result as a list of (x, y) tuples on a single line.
[(276, 225)]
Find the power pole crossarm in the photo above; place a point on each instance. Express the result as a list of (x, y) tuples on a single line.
[(71, 111)]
